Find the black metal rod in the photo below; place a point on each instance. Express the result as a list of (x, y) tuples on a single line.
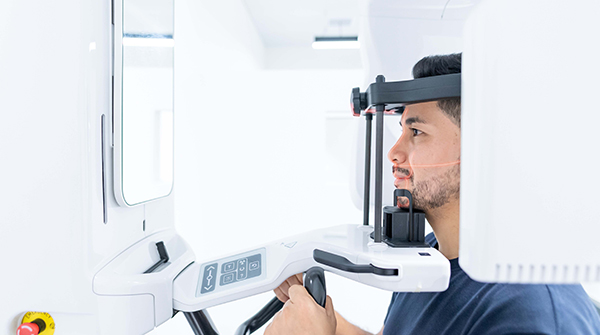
[(201, 323), (259, 319), (379, 167), (367, 190)]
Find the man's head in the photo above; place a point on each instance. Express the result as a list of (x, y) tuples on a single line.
[(426, 158)]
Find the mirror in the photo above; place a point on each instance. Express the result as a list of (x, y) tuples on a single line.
[(143, 115)]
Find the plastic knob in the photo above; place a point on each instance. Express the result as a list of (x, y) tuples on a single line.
[(28, 329)]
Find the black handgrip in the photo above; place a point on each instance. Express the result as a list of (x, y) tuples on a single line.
[(342, 263), (314, 282), (260, 318), (201, 323)]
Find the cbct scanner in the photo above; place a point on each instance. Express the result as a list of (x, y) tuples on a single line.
[(87, 93)]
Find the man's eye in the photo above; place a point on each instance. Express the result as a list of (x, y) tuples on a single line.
[(416, 132)]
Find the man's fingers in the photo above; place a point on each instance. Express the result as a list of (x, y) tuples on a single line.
[(294, 280), (284, 287), (282, 291), (298, 292), (280, 295)]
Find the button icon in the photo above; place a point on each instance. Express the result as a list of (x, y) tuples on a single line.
[(229, 266), (228, 278), (241, 262), (255, 266), (242, 275), (209, 278)]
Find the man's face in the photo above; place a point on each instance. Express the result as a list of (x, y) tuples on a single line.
[(426, 157)]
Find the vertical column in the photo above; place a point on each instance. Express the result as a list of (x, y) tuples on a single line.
[(367, 188), (378, 166)]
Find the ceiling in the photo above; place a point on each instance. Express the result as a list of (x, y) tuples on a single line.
[(287, 23)]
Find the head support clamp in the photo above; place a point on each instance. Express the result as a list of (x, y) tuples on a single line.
[(395, 94), (390, 97)]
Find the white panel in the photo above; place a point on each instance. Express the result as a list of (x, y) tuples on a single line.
[(125, 275), (55, 65), (529, 142), (132, 314)]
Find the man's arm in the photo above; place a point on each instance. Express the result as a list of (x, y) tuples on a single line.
[(346, 328)]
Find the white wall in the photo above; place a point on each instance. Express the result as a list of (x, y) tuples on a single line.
[(260, 152)]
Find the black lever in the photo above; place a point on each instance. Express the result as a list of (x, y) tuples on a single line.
[(314, 282), (162, 253), (342, 263)]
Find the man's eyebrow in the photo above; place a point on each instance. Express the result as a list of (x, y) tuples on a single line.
[(411, 120)]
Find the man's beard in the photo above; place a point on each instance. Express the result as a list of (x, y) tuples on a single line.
[(436, 191)]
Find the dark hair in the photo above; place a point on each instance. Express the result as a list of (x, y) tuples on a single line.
[(439, 65)]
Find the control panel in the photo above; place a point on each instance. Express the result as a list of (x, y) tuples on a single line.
[(231, 271)]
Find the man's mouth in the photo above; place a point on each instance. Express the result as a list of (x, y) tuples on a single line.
[(402, 176), (401, 182)]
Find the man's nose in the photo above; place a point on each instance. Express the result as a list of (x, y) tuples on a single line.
[(398, 154)]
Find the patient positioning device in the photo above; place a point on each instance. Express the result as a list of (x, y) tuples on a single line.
[(404, 263)]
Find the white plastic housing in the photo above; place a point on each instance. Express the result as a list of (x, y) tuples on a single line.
[(70, 249), (425, 272), (529, 177)]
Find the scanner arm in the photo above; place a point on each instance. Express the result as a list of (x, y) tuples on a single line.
[(205, 284)]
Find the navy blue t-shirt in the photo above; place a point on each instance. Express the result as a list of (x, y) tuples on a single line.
[(468, 307)]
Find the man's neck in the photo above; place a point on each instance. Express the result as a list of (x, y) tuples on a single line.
[(445, 223)]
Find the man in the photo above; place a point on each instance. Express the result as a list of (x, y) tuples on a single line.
[(426, 161)]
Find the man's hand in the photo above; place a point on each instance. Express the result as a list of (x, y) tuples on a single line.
[(282, 291), (302, 315)]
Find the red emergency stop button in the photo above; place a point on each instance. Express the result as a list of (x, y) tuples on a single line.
[(28, 329), (36, 323)]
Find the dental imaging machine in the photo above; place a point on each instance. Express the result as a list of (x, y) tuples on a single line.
[(88, 203)]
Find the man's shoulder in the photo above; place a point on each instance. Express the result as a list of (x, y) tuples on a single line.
[(497, 308), (548, 309)]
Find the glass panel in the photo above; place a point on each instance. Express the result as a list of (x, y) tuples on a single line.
[(147, 100)]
